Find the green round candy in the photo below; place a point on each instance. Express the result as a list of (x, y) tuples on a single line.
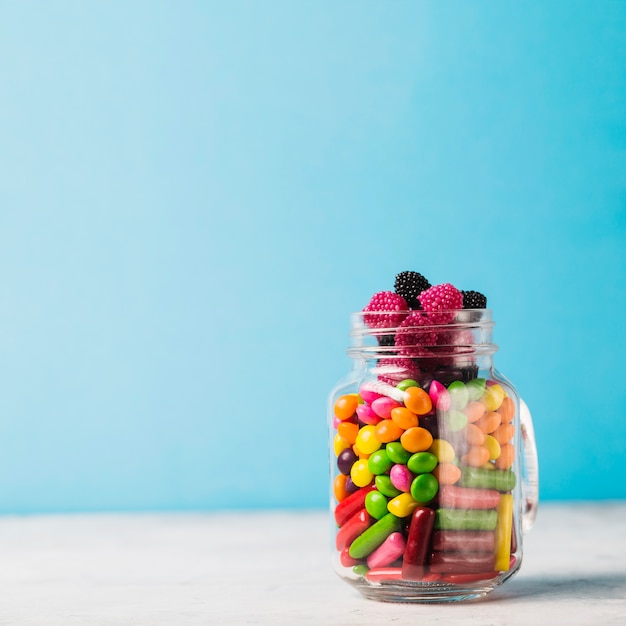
[(379, 462), (422, 463), (424, 488), (459, 395), (476, 388), (406, 383), (455, 420), (397, 453), (361, 569), (384, 485), (376, 504)]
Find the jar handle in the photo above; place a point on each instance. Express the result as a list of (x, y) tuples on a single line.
[(530, 469)]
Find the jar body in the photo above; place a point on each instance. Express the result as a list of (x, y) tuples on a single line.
[(426, 486)]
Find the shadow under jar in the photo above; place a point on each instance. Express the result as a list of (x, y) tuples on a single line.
[(433, 460)]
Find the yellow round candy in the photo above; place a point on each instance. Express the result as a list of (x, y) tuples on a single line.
[(339, 444), (402, 505), (360, 473), (493, 446), (443, 450), (366, 440), (492, 398)]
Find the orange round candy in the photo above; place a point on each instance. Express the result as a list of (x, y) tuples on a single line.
[(504, 433), (345, 406), (416, 439), (387, 431), (507, 409), (473, 435), (476, 457), (348, 431), (418, 401), (489, 422), (404, 418), (339, 487), (447, 473), (506, 458), (474, 411)]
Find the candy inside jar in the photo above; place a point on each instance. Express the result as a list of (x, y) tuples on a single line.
[(426, 449)]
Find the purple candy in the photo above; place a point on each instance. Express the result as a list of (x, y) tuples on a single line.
[(350, 486), (346, 460)]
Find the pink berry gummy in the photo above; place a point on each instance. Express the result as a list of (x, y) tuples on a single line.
[(386, 302), (445, 297), (452, 345), (416, 331)]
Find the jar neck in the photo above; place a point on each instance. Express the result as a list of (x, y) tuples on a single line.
[(415, 344)]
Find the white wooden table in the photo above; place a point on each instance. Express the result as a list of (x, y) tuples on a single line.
[(274, 568)]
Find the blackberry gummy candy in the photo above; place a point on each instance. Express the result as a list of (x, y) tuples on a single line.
[(474, 300), (409, 285)]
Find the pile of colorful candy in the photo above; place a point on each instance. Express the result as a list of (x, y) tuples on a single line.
[(423, 479)]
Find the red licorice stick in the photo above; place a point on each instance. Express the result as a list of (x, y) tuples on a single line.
[(378, 574), (418, 543), (346, 560), (461, 562), (351, 505), (358, 523), (453, 497), (459, 579), (464, 540)]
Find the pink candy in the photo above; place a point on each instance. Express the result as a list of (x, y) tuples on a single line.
[(439, 395), (389, 551), (383, 406), (366, 414), (401, 477), (371, 391), (368, 394)]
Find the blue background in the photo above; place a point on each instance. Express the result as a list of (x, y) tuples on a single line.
[(195, 195)]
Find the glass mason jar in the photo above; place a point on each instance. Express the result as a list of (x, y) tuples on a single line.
[(433, 460)]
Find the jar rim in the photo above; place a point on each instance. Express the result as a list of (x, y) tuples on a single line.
[(422, 334), (375, 322)]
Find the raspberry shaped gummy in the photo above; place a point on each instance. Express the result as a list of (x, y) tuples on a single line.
[(386, 310), (415, 333), (444, 297), (454, 347), (474, 300), (409, 285)]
